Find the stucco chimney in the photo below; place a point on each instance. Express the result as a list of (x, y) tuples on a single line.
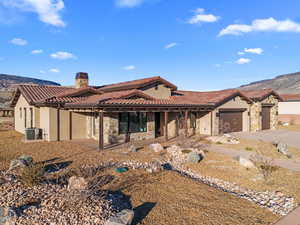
[(82, 80)]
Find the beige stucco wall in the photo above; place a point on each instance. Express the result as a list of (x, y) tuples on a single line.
[(161, 92), (79, 125), (20, 120), (289, 108)]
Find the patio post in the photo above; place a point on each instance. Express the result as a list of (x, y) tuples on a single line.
[(101, 142), (166, 125), (186, 113)]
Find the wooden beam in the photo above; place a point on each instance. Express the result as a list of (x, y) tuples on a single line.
[(58, 124), (166, 125), (186, 114), (71, 125), (101, 132)]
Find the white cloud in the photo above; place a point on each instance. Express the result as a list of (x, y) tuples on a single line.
[(217, 65), (254, 50), (201, 17), (54, 70), (37, 51), (128, 3), (130, 67), (259, 25), (63, 55), (243, 61), (19, 41), (241, 53), (42, 71), (171, 45), (47, 10)]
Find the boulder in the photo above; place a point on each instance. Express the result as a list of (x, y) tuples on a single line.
[(77, 183), (156, 147), (193, 157), (132, 148), (21, 162), (124, 217), (245, 162), (283, 149), (28, 159), (155, 167), (7, 216)]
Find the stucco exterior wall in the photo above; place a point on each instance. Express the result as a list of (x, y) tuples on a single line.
[(20, 116), (161, 91), (205, 123), (79, 125)]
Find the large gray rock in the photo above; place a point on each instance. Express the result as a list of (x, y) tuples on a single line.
[(132, 148), (77, 183), (7, 216), (156, 147), (245, 162), (124, 217), (283, 149), (21, 162), (193, 157)]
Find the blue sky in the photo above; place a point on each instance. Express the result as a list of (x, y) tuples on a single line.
[(198, 45)]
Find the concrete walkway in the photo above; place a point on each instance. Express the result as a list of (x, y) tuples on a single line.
[(293, 218), (284, 163), (291, 138)]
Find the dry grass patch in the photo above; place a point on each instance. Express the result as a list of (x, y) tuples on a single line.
[(225, 168), (266, 148), (168, 198), (290, 127)]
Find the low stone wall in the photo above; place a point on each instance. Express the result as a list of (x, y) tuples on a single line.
[(292, 119)]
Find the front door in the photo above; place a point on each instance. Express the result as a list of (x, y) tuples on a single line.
[(265, 117), (158, 132)]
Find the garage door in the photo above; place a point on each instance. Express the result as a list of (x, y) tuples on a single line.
[(265, 116), (231, 121)]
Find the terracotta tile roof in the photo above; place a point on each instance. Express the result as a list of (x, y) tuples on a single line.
[(77, 92), (261, 94), (36, 93), (291, 97), (135, 84), (210, 97)]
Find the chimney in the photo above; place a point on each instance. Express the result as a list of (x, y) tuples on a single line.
[(82, 80)]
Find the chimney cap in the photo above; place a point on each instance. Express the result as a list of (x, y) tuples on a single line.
[(82, 75)]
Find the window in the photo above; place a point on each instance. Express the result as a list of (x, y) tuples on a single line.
[(31, 117), (132, 122), (20, 113)]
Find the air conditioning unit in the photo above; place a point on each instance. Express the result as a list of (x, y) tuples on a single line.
[(33, 134)]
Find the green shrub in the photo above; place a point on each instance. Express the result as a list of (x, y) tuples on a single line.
[(249, 149)]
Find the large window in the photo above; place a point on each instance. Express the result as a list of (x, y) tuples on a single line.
[(132, 122)]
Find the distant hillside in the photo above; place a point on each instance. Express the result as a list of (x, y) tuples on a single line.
[(9, 82), (288, 83)]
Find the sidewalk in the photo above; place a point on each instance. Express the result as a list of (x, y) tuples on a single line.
[(293, 218), (284, 163)]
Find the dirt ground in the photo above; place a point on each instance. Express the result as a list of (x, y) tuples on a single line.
[(290, 127), (161, 199)]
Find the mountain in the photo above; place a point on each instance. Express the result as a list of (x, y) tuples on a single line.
[(283, 84), (9, 82)]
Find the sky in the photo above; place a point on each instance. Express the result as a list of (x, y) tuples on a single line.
[(195, 44)]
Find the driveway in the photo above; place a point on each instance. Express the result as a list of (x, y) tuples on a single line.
[(291, 138)]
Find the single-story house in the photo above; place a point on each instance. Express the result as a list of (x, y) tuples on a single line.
[(289, 109), (137, 110)]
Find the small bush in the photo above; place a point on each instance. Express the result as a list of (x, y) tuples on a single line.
[(219, 143), (249, 149), (32, 175)]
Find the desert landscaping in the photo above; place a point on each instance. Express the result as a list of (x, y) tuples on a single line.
[(151, 182)]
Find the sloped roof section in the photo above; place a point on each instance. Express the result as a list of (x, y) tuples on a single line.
[(260, 95), (137, 84), (210, 97), (291, 97), (36, 93)]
